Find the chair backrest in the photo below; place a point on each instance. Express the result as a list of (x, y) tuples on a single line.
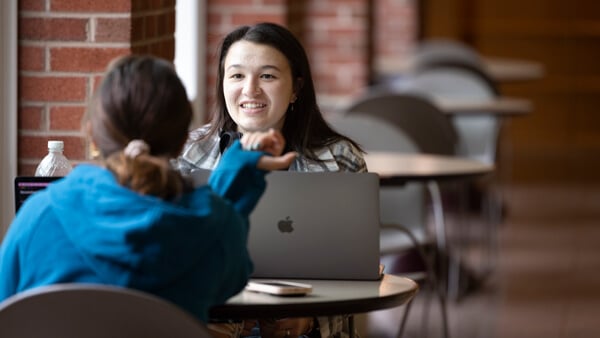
[(94, 311), (373, 133), (478, 134), (429, 131), (397, 205), (434, 52), (451, 54), (428, 127)]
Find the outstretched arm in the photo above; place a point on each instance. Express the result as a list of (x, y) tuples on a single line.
[(239, 177), (271, 142)]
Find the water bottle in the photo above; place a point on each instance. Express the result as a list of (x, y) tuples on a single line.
[(55, 163)]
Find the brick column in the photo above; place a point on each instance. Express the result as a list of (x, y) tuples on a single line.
[(395, 31), (335, 35), (64, 47)]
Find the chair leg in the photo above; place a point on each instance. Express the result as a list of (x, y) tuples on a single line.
[(438, 214), (493, 218), (404, 319), (437, 289), (448, 274), (441, 236)]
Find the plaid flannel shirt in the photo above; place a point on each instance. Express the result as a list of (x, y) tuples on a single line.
[(205, 153)]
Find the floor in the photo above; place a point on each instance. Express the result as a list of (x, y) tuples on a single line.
[(546, 280)]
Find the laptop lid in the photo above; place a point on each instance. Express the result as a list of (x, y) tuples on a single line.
[(311, 225), (25, 186)]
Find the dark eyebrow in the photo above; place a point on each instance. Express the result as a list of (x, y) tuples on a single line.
[(270, 67), (233, 66), (265, 67)]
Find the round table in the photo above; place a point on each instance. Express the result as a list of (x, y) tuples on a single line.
[(329, 297), (398, 168)]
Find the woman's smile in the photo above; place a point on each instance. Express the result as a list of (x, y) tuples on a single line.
[(257, 85)]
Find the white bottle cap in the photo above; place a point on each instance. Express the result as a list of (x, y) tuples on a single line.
[(56, 145)]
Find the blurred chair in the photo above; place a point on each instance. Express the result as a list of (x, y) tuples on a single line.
[(432, 53), (438, 52), (398, 205), (450, 69), (428, 128), (479, 134), (94, 311), (429, 131), (404, 235), (387, 121)]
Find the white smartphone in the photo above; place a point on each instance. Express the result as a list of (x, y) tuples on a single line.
[(280, 288)]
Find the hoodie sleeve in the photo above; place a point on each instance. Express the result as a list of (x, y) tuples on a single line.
[(238, 180)]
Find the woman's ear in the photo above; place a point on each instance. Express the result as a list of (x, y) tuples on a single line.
[(297, 86)]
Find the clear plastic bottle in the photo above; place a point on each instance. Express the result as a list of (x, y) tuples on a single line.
[(55, 163)]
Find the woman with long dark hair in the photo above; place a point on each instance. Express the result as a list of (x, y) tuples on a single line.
[(264, 82)]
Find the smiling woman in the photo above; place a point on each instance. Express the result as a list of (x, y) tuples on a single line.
[(258, 86), (264, 82)]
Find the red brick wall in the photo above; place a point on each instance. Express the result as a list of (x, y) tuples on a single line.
[(335, 35), (64, 47), (152, 28), (395, 28)]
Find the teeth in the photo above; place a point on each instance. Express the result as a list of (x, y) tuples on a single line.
[(253, 105)]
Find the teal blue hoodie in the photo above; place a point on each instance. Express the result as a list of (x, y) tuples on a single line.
[(86, 228)]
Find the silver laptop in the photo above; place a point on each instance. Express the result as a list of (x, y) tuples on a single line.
[(315, 226)]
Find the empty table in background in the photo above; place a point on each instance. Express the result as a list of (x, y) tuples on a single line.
[(397, 168), (502, 106), (513, 70)]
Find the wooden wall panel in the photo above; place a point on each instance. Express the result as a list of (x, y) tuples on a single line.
[(560, 140)]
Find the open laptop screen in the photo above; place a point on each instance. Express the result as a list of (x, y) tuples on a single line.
[(25, 186), (315, 225)]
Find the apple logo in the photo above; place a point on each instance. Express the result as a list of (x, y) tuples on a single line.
[(285, 225)]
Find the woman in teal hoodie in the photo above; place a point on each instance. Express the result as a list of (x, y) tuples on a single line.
[(134, 221)]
